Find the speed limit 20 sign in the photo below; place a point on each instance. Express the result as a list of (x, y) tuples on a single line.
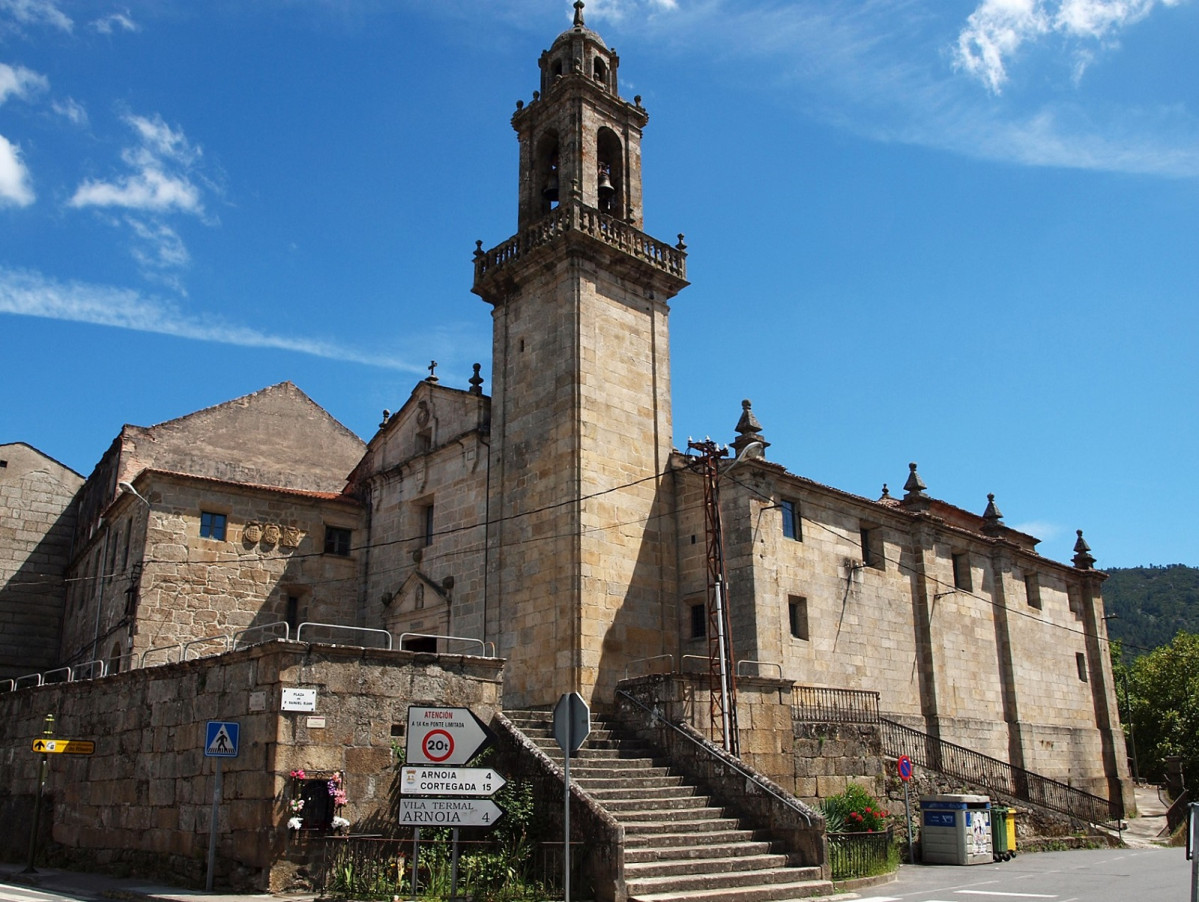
[(447, 736)]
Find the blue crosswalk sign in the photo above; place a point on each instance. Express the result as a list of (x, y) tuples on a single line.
[(221, 739)]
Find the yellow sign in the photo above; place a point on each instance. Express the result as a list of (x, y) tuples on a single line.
[(64, 746)]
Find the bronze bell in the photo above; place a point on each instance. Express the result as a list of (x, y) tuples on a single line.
[(550, 191), (605, 184)]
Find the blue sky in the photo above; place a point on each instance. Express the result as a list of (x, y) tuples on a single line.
[(958, 233)]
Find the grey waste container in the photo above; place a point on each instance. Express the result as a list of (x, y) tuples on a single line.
[(955, 829)]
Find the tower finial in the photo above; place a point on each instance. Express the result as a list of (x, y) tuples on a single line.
[(578, 12)]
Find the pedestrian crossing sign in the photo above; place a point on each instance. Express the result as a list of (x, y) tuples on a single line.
[(221, 739)]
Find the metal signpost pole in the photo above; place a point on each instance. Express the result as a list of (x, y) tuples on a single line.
[(216, 810), (1192, 851), (43, 769), (566, 817), (454, 865)]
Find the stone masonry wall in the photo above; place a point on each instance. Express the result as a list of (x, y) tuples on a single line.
[(142, 801), (37, 520)]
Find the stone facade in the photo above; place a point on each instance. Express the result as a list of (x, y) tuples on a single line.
[(144, 798), (226, 527), (37, 522)]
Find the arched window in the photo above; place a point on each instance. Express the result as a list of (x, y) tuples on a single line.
[(601, 71), (548, 178), (114, 659), (610, 172)]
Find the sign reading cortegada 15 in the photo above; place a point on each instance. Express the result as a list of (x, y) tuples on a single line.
[(445, 736)]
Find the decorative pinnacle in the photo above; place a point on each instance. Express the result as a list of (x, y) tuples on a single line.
[(915, 485), (578, 12), (992, 517), (1083, 559)]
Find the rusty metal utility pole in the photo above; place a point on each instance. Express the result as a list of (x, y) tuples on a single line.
[(722, 675)]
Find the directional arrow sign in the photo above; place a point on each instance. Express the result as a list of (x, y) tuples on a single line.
[(450, 781), (449, 812), (444, 735), (64, 746)]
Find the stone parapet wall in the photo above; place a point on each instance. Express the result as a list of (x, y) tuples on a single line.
[(144, 797)]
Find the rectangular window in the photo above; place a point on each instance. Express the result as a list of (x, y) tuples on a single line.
[(797, 614), (872, 547), (1080, 661), (293, 612), (1032, 590), (792, 524), (699, 621), (427, 524), (212, 526), (961, 572), (337, 540)]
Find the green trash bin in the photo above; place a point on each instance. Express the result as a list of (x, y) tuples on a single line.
[(999, 834)]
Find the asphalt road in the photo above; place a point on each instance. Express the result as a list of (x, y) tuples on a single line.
[(1099, 875)]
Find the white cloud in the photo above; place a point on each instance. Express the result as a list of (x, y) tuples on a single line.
[(993, 33), (71, 110), (114, 21), (36, 12), (20, 82), (26, 293), (15, 187), (159, 180), (997, 30)]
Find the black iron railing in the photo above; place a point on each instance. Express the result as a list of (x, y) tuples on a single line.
[(862, 854), (997, 776), (813, 703)]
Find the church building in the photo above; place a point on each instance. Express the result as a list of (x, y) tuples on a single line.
[(553, 523)]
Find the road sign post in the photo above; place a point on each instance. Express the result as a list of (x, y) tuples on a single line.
[(904, 766), (220, 741), (445, 737), (572, 725), (43, 766)]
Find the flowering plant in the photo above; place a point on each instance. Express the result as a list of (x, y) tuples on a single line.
[(294, 823), (336, 791), (340, 823), (298, 774), (854, 811), (295, 806)]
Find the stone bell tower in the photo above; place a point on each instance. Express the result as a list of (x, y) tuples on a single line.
[(580, 555)]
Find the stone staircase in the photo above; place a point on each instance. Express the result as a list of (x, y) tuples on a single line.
[(678, 845)]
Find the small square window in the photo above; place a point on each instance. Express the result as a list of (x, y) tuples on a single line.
[(792, 523), (699, 621), (1080, 661), (797, 614), (337, 540), (212, 526), (427, 524), (1032, 590), (872, 547), (961, 572)]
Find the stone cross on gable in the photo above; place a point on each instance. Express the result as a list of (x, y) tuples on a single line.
[(432, 370)]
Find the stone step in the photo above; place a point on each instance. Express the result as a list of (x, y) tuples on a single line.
[(681, 829), (777, 892), (707, 867), (737, 881), (660, 852), (658, 805), (685, 833), (670, 817), (594, 783), (648, 794)]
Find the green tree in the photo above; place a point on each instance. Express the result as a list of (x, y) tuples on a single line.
[(1164, 696)]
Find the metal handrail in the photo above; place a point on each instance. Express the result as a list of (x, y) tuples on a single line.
[(759, 664), (724, 758), (265, 626), (482, 645), (92, 664), (685, 658), (37, 676), (224, 640), (155, 648), (824, 704), (996, 775), (646, 661), (131, 657), (12, 685), (338, 626), (49, 673)]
